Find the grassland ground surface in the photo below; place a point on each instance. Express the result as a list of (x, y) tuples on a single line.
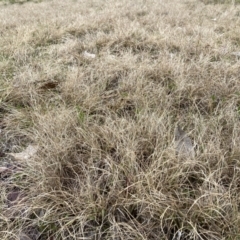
[(90, 95)]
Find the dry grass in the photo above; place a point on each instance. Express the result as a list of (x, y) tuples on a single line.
[(106, 166)]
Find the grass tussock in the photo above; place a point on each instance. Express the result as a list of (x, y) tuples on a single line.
[(99, 87)]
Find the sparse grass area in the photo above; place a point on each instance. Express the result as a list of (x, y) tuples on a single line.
[(106, 166)]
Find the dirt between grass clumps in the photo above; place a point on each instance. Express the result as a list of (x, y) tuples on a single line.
[(119, 120)]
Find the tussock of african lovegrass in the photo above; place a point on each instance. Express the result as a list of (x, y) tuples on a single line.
[(106, 165)]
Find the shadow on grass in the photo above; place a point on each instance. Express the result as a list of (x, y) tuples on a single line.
[(19, 1), (221, 1)]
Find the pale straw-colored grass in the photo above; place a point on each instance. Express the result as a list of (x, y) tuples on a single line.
[(106, 165)]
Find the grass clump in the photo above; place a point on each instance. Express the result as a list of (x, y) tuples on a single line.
[(97, 89)]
